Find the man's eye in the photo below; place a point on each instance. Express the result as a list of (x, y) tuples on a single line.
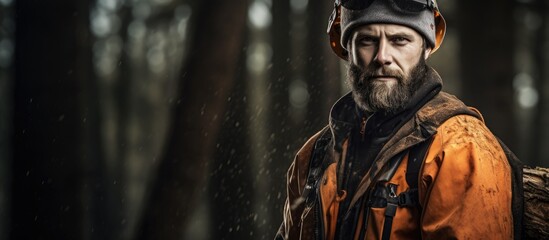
[(400, 40), (367, 40)]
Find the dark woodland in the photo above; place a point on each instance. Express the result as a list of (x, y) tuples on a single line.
[(177, 119)]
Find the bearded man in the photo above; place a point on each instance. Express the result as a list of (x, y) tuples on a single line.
[(400, 159)]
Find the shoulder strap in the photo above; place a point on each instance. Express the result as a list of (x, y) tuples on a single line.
[(415, 159), (409, 198)]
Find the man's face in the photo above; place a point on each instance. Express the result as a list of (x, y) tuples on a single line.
[(387, 62)]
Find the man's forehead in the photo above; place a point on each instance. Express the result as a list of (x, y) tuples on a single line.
[(386, 28)]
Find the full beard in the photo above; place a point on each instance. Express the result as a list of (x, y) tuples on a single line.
[(390, 97)]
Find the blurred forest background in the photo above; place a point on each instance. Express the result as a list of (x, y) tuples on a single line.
[(177, 119)]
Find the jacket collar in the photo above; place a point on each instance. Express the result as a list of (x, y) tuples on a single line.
[(418, 129), (432, 108), (345, 114), (343, 118)]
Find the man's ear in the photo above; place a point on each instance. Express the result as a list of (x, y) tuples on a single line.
[(351, 56), (427, 53)]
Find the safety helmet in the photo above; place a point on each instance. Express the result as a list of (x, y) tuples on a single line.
[(408, 6)]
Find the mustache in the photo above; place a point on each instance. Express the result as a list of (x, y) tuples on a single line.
[(363, 75)]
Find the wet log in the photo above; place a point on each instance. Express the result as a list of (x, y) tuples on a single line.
[(536, 202)]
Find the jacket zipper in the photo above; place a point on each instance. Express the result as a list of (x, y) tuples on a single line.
[(318, 210)]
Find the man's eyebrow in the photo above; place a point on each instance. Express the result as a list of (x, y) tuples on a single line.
[(390, 35), (401, 34), (367, 34)]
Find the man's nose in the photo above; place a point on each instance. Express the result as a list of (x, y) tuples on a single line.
[(383, 56)]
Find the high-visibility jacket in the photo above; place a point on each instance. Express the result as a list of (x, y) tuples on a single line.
[(464, 182)]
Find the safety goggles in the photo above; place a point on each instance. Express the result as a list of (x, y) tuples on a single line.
[(408, 6)]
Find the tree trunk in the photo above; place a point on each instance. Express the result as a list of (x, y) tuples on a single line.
[(487, 63), (6, 82), (232, 183), (52, 65), (280, 126), (536, 202), (206, 82), (322, 68), (540, 136)]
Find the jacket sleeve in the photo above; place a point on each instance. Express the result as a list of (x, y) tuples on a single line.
[(466, 184), (294, 204)]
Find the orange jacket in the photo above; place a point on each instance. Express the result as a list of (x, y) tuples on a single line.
[(464, 184)]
